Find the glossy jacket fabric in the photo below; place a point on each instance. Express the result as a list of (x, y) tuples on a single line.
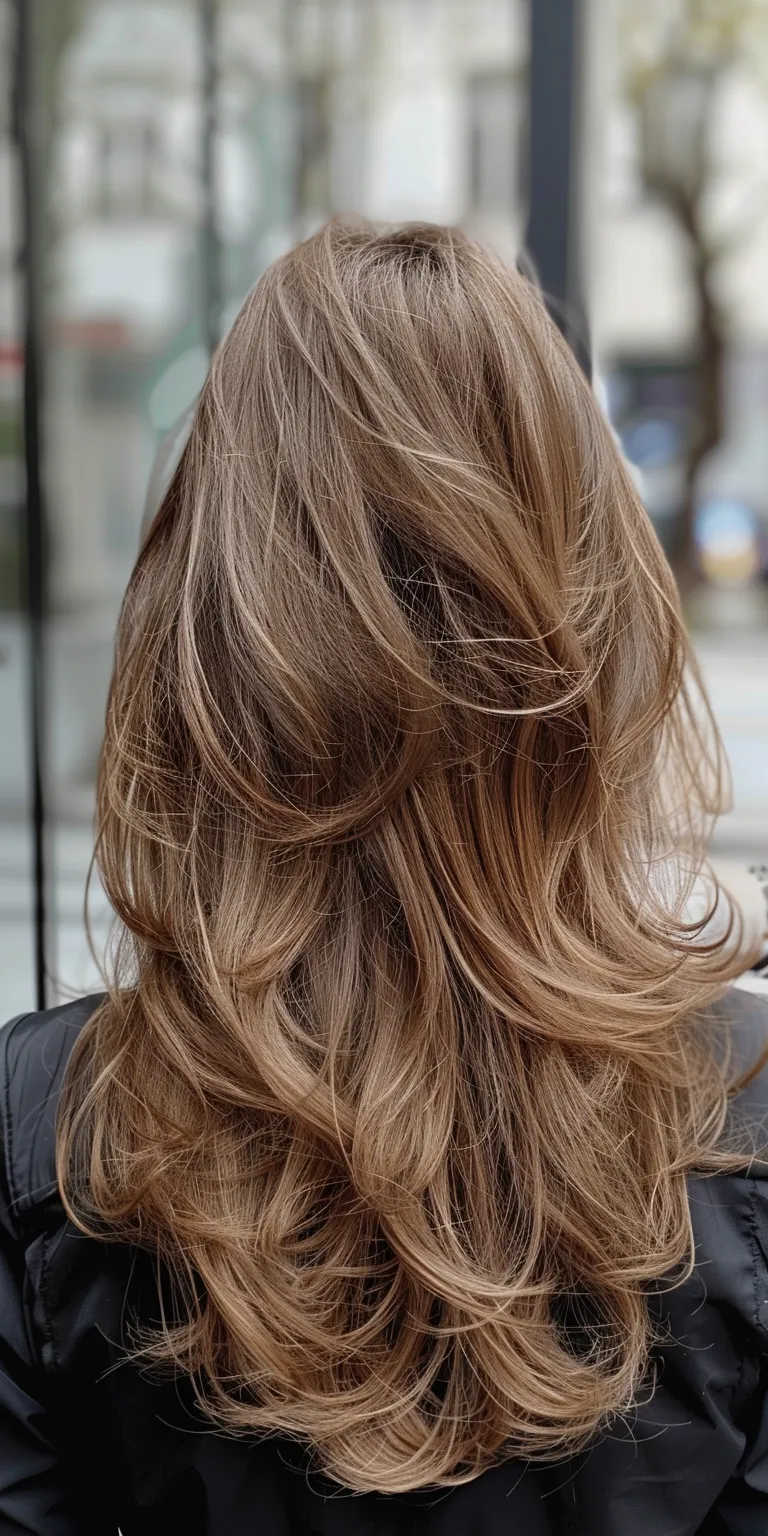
[(89, 1443)]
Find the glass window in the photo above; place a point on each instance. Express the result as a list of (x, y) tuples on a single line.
[(118, 114), (495, 107), (158, 208), (680, 322), (16, 854)]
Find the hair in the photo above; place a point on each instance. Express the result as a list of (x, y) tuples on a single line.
[(406, 776)]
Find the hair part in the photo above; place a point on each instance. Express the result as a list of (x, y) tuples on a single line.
[(399, 1070)]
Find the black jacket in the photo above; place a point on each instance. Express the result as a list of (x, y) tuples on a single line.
[(89, 1443)]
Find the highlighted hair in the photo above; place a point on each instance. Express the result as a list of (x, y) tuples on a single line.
[(399, 1070)]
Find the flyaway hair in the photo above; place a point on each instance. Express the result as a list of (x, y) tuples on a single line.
[(401, 1067)]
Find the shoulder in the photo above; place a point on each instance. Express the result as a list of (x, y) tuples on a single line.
[(744, 1015), (34, 1051)]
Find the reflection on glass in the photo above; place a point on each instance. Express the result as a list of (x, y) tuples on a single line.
[(681, 328), (119, 143), (395, 109), (390, 108), (16, 948)]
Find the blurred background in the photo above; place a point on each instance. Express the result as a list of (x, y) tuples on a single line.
[(155, 157)]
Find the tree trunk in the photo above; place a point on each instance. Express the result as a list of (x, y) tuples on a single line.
[(708, 429)]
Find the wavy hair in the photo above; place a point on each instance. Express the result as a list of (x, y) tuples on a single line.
[(406, 775)]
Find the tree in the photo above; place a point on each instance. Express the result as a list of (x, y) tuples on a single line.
[(676, 56)]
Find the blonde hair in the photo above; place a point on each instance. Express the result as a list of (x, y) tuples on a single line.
[(399, 1071)]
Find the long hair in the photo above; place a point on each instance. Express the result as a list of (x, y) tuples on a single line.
[(405, 778)]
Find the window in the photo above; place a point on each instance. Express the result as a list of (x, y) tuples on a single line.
[(128, 155), (494, 109), (312, 181)]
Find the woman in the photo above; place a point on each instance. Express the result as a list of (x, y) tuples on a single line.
[(396, 1161)]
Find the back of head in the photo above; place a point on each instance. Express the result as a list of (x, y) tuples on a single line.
[(398, 1057)]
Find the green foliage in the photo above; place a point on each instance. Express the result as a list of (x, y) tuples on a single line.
[(655, 35)]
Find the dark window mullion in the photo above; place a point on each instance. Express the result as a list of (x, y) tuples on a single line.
[(34, 523), (554, 232)]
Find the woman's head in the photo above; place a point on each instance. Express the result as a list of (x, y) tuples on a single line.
[(401, 1066)]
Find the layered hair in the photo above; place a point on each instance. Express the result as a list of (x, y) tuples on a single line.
[(406, 775)]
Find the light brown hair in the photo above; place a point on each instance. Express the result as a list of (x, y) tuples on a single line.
[(399, 1070)]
